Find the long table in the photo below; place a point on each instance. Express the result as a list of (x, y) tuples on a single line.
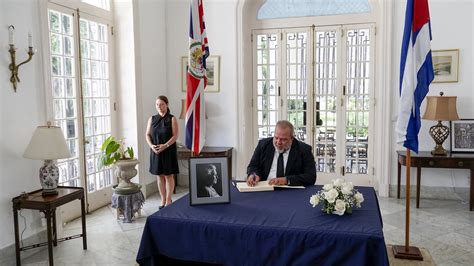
[(265, 228), (424, 159)]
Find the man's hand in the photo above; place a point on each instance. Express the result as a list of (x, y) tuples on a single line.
[(278, 181), (252, 180)]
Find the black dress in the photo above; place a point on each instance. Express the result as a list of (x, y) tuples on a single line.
[(166, 162)]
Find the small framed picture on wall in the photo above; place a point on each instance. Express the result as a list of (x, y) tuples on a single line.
[(446, 65), (212, 73)]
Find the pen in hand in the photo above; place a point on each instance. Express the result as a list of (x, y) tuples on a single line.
[(253, 179)]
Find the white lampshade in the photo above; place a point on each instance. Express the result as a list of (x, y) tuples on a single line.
[(47, 143)]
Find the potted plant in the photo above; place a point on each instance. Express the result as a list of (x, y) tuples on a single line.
[(115, 153)]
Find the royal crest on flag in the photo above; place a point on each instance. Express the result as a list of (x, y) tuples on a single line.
[(196, 80), (416, 71)]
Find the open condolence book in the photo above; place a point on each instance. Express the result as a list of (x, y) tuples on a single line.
[(261, 186)]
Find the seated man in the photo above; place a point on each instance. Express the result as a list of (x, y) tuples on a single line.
[(282, 159)]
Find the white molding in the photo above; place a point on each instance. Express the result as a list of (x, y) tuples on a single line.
[(383, 106), (142, 177), (244, 88), (45, 54)]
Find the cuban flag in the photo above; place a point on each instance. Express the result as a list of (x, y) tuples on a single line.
[(416, 72), (195, 124)]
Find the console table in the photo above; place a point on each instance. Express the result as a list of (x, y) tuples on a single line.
[(48, 204), (185, 154), (427, 160)]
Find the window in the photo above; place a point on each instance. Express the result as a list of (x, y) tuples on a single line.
[(104, 4), (273, 9)]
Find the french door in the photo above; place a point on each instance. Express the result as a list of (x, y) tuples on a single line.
[(79, 69), (320, 79), (281, 81)]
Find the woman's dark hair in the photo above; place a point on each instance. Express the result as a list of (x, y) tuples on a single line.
[(163, 98)]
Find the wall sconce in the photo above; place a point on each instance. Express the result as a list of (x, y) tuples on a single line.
[(13, 66)]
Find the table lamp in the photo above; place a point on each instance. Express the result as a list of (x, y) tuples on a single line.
[(48, 144), (440, 108)]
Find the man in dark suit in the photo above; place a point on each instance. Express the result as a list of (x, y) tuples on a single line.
[(282, 159)]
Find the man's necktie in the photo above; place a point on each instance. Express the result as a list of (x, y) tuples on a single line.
[(280, 166)]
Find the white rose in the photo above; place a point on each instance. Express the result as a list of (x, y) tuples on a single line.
[(327, 187), (347, 188), (331, 195), (340, 207), (314, 200), (338, 182), (359, 198)]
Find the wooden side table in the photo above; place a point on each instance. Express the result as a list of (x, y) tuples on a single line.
[(48, 204), (427, 160)]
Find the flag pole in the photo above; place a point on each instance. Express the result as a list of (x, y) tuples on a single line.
[(407, 252)]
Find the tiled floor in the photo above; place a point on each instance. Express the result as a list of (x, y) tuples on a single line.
[(445, 228)]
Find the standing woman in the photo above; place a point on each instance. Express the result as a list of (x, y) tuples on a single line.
[(161, 134)]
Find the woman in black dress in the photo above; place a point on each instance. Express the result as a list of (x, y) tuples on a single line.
[(161, 134)]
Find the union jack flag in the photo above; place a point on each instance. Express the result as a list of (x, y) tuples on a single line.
[(195, 124)]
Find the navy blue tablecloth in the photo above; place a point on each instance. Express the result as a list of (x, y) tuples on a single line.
[(265, 228)]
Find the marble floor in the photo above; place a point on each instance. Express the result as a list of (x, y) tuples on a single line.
[(445, 228)]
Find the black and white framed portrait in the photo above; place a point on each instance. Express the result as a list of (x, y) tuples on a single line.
[(462, 135), (208, 180)]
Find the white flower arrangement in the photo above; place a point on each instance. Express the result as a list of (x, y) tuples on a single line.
[(338, 197)]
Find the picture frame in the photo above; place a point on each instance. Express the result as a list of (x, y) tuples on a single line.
[(212, 72), (446, 65), (462, 136), (209, 181)]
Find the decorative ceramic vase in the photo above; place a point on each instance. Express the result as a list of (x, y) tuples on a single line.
[(125, 171), (49, 177)]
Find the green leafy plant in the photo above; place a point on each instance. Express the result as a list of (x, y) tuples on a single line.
[(114, 150)]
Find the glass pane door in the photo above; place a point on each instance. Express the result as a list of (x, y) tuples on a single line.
[(358, 61), (64, 92), (296, 81), (65, 107), (267, 97), (81, 99), (96, 100), (326, 93), (326, 99), (96, 103)]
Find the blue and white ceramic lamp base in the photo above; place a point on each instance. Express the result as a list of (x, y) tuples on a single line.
[(49, 177)]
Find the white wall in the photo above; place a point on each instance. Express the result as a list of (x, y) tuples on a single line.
[(452, 28), (151, 68), (125, 83), (20, 113), (161, 39), (220, 19)]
